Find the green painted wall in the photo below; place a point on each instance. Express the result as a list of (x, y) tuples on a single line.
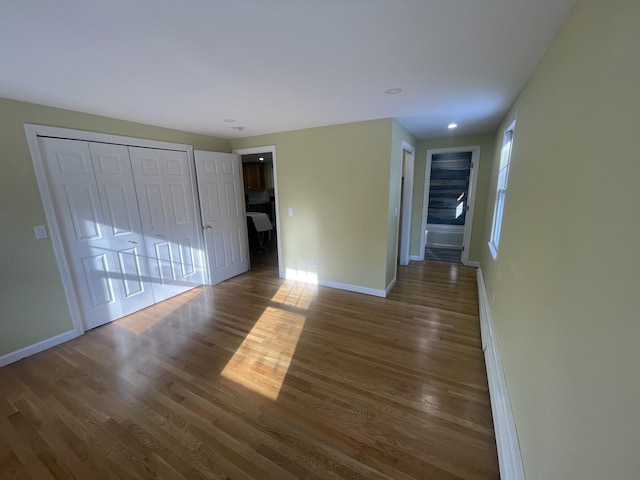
[(399, 134), (567, 278), (337, 181), (32, 302), (486, 143)]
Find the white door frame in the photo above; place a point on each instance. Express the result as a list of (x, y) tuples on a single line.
[(407, 200), (269, 149), (468, 223), (33, 132)]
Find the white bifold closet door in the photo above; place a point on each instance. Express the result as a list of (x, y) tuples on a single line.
[(128, 224), (95, 202), (171, 230)]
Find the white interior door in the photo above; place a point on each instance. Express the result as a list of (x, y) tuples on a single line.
[(114, 178), (172, 235), (223, 213), (76, 199)]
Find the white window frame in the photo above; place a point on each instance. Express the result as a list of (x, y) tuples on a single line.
[(501, 188)]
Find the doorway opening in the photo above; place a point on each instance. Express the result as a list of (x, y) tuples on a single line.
[(450, 185), (261, 204), (406, 193)]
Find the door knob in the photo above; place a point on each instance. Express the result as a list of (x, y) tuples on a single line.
[(208, 227)]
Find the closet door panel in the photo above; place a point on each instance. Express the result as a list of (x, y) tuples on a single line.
[(114, 178), (84, 229), (188, 262), (164, 261), (158, 213), (101, 290), (149, 179), (136, 279), (117, 208), (186, 228), (81, 204), (179, 204), (165, 197)]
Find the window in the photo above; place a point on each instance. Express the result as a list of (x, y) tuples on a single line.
[(501, 189)]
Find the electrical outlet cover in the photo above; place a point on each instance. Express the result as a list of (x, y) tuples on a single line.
[(40, 232)]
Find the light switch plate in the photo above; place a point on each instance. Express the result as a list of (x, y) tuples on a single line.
[(40, 232), (290, 211)]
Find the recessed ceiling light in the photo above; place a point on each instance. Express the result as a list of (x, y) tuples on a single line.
[(229, 120), (237, 128), (452, 126), (261, 159), (394, 91)]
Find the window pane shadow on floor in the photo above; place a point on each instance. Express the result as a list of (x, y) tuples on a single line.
[(453, 255)]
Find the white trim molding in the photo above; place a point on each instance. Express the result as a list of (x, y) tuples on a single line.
[(270, 149), (355, 288), (509, 458), (312, 279), (392, 283), (37, 347), (407, 199)]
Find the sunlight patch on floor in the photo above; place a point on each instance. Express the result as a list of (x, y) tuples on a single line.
[(139, 322), (295, 294), (262, 360)]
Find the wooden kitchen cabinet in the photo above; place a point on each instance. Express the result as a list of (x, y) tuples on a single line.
[(253, 175)]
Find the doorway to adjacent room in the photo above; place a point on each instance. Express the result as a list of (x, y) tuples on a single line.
[(450, 185), (261, 203)]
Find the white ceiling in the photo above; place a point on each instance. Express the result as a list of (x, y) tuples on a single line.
[(277, 65)]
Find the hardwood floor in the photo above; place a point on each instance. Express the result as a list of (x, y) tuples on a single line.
[(259, 378), (452, 255)]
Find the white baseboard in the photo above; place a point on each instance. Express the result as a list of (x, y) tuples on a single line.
[(354, 288), (390, 286), (312, 278), (473, 263), (509, 458), (417, 258), (37, 347)]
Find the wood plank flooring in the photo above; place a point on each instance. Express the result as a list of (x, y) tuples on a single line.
[(260, 378), (453, 255)]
